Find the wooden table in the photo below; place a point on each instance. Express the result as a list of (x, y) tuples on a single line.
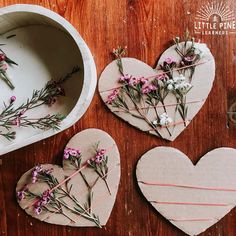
[(146, 27)]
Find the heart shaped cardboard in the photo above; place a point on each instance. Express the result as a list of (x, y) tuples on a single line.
[(201, 82), (91, 203), (192, 198)]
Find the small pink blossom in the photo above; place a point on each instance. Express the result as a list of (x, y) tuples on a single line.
[(134, 81), (125, 78), (37, 169), (189, 58), (16, 122), (66, 156), (143, 80), (38, 210), (3, 67), (98, 159), (148, 88), (160, 77), (112, 96), (169, 60), (102, 151), (34, 179), (71, 152), (2, 57), (21, 194), (12, 99)]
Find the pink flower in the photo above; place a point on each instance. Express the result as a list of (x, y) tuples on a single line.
[(189, 58), (112, 96), (102, 151), (20, 195), (148, 88), (125, 78), (3, 67), (38, 210), (71, 152), (34, 173), (16, 122), (34, 179), (152, 87), (46, 198), (143, 80), (2, 57), (98, 159), (66, 156), (160, 77), (169, 60), (12, 99), (134, 81), (37, 169)]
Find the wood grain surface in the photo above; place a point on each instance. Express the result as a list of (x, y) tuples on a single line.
[(146, 27)]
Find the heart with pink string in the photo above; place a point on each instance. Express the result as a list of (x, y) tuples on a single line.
[(83, 192), (164, 100), (191, 197)]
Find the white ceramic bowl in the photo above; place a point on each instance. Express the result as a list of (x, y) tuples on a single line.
[(45, 46)]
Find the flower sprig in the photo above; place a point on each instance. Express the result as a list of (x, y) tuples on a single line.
[(189, 53), (11, 116), (54, 201), (5, 61), (119, 53), (74, 156), (99, 164)]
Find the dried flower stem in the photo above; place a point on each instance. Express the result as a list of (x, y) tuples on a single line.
[(11, 116), (4, 61), (141, 114)]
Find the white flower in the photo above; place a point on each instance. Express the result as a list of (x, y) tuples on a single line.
[(165, 120), (178, 85), (179, 79), (170, 87), (155, 122), (184, 87)]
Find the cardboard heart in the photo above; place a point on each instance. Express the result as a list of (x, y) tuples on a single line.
[(201, 82), (192, 198), (101, 193)]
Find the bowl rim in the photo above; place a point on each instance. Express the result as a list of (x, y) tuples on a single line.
[(89, 67)]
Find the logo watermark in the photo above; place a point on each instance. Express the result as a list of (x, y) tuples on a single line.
[(215, 18)]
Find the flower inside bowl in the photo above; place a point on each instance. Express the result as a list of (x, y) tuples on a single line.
[(46, 47)]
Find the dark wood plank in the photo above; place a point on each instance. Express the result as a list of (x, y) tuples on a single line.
[(146, 27)]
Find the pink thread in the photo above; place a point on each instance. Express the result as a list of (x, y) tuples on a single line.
[(191, 203), (200, 219), (171, 124), (189, 186), (163, 73), (160, 106)]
